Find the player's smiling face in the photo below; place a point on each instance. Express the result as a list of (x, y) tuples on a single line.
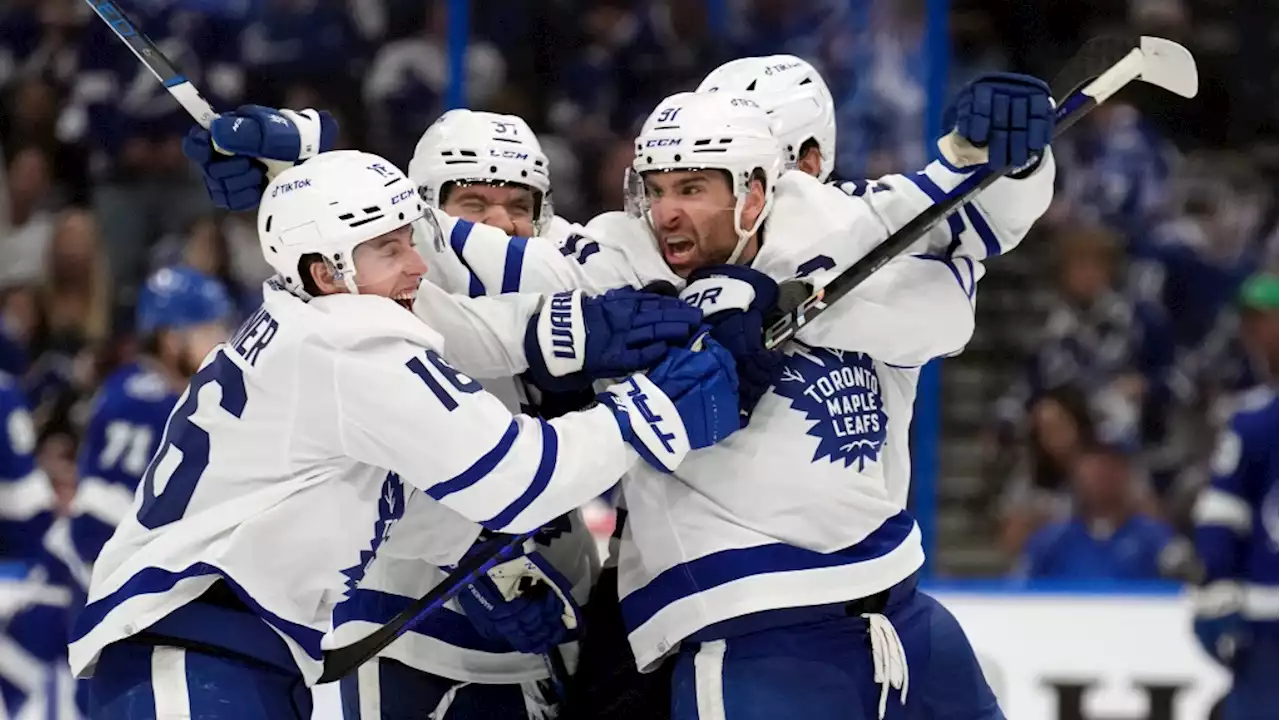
[(510, 208), (692, 216), (390, 266)]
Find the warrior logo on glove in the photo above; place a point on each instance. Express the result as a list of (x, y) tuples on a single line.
[(840, 392)]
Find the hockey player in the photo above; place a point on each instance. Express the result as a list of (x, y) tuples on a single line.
[(487, 168), (182, 314), (490, 172), (1236, 540), (280, 471), (798, 102), (477, 169), (769, 598), (26, 511)]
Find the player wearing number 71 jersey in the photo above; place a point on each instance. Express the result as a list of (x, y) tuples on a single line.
[(181, 315), (298, 443)]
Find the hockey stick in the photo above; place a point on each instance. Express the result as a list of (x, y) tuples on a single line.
[(496, 550), (1098, 71), (149, 55)]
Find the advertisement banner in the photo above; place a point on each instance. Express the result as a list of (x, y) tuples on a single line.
[(1090, 657)]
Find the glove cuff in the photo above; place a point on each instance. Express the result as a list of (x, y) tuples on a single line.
[(555, 344), (649, 421)]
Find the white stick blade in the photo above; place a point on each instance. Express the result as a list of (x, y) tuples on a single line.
[(1168, 65)]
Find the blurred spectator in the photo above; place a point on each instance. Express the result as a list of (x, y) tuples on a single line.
[(1039, 492), (26, 222), (30, 118), (72, 323), (407, 83), (1108, 536), (1116, 352), (206, 248)]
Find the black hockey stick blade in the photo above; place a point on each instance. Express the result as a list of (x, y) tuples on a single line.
[(496, 550), (149, 55), (1093, 76)]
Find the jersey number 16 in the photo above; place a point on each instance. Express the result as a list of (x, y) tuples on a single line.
[(170, 503)]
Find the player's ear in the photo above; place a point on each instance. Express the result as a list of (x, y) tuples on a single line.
[(322, 277), (754, 204), (810, 161)]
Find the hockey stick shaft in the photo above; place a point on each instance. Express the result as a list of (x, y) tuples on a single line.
[(1074, 106), (149, 55), (340, 661), (496, 550)]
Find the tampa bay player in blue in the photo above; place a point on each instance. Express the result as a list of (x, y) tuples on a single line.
[(26, 511), (1237, 531), (181, 315)]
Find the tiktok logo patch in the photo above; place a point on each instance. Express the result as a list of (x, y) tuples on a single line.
[(840, 392)]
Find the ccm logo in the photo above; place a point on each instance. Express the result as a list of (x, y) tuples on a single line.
[(662, 142), (509, 154), (403, 196)]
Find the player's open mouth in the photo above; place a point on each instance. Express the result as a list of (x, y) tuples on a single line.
[(406, 298), (678, 249)]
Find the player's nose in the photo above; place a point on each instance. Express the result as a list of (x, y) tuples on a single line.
[(497, 216), (415, 265)]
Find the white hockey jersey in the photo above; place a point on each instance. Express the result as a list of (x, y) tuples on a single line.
[(407, 564), (299, 443), (805, 506)]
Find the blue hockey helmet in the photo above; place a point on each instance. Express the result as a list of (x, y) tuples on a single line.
[(178, 297)]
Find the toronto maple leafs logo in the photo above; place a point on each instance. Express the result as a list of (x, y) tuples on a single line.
[(390, 509), (840, 392)]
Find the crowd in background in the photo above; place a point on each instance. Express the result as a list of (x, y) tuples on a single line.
[(1163, 210)]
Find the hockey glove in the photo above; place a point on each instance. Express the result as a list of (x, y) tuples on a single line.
[(1007, 114), (1219, 626), (525, 602), (688, 402), (735, 300), (242, 150), (577, 339)]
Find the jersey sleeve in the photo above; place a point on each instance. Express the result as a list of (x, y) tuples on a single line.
[(114, 454), (916, 308), (26, 496), (481, 260), (920, 306), (991, 224), (478, 260), (1223, 512), (482, 336), (402, 407)]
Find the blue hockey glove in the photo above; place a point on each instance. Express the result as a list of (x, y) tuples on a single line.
[(525, 602), (268, 134), (1222, 637), (1219, 626), (233, 182), (243, 149), (1008, 114), (735, 300), (577, 339), (688, 402)]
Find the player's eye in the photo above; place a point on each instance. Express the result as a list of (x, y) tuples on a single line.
[(473, 206), (690, 190), (519, 210)]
